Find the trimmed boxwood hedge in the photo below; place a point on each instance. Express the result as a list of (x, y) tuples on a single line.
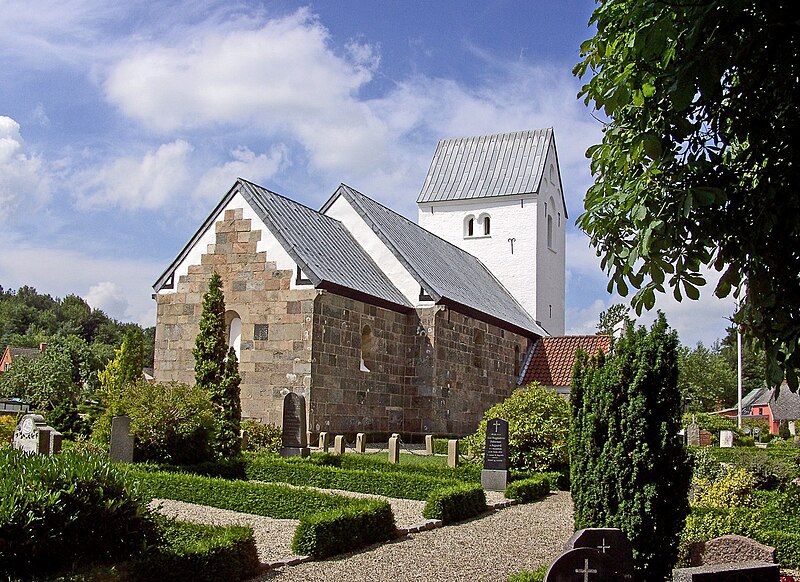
[(456, 503), (532, 489), (333, 532), (66, 509), (389, 483)]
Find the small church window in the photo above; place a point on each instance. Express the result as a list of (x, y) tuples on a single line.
[(559, 220), (234, 324), (469, 226), (477, 348), (366, 348), (552, 174), (549, 232), (486, 226)]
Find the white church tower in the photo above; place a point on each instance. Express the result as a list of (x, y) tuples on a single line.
[(499, 197)]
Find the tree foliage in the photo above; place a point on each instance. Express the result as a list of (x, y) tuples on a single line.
[(706, 379), (628, 467), (612, 318), (697, 167), (229, 415), (211, 347), (538, 426)]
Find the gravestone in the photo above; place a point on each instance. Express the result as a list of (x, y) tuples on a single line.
[(361, 443), (338, 444), (324, 442), (33, 435), (737, 572), (693, 434), (394, 449), (452, 453), (429, 444), (293, 439), (494, 476), (582, 565), (729, 549), (609, 541), (726, 439), (121, 440)]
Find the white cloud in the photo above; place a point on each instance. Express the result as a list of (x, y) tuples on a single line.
[(245, 164), (149, 181), (24, 182), (108, 297)]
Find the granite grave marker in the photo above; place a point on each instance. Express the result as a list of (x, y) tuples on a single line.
[(494, 476), (293, 439), (121, 440), (609, 541), (33, 435), (582, 565)]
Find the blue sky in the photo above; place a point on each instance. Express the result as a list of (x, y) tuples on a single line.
[(122, 125)]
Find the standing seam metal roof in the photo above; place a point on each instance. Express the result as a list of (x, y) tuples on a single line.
[(442, 269), (486, 166)]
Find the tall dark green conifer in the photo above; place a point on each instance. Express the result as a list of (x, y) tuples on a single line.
[(210, 346), (229, 425), (628, 466)]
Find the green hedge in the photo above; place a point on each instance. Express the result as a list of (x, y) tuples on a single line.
[(269, 500), (455, 503), (786, 544), (527, 490), (66, 509), (466, 472), (389, 483), (529, 575), (192, 552), (333, 532)]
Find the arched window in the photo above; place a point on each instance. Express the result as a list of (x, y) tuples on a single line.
[(234, 324), (477, 349), (366, 349), (549, 232), (486, 226), (469, 226)]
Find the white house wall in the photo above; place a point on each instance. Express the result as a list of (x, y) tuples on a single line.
[(268, 243), (405, 282), (511, 217)]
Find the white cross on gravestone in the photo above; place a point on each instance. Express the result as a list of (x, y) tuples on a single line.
[(586, 571), (496, 426), (603, 547)]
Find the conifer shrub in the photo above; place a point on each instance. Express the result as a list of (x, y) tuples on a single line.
[(538, 429), (628, 466), (64, 510), (455, 503)]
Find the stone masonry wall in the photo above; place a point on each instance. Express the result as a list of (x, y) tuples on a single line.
[(275, 354)]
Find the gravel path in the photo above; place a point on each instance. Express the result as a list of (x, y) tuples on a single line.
[(490, 547)]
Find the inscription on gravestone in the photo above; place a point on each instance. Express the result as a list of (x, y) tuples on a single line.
[(33, 435), (609, 541), (582, 565), (293, 439), (494, 476)]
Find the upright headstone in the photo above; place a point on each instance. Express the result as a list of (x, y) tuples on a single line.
[(693, 434), (394, 449), (293, 440), (324, 442), (582, 565), (361, 443), (736, 572), (429, 444), (121, 440), (494, 476), (338, 444), (55, 442), (33, 435), (726, 439), (452, 453), (730, 548), (609, 541)]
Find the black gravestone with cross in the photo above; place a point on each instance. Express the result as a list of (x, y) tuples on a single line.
[(609, 541), (294, 441), (494, 476), (582, 565)]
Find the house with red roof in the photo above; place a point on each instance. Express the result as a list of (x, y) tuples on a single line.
[(551, 359)]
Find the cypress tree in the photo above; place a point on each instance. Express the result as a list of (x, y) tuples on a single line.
[(210, 346), (230, 416), (628, 466)]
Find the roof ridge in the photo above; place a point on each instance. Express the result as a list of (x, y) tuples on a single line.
[(497, 134)]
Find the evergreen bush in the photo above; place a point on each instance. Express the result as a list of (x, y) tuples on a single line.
[(628, 465), (538, 428), (455, 503), (262, 437), (531, 489)]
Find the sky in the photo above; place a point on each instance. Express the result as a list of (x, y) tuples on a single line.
[(122, 124)]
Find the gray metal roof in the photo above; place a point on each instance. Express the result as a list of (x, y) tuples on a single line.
[(446, 272), (323, 248), (485, 166)]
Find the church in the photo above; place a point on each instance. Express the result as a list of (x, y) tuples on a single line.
[(383, 324)]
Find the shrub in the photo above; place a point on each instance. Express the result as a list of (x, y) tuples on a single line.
[(198, 553), (786, 544), (466, 472), (704, 524), (171, 422), (63, 510), (529, 576), (772, 468), (262, 437), (441, 447), (333, 532), (455, 503), (629, 468), (7, 425), (527, 490), (538, 426), (733, 489), (66, 420), (301, 472)]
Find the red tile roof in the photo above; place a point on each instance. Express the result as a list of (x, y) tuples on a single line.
[(552, 358)]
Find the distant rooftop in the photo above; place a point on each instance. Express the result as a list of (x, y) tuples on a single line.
[(551, 359), (486, 166)]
